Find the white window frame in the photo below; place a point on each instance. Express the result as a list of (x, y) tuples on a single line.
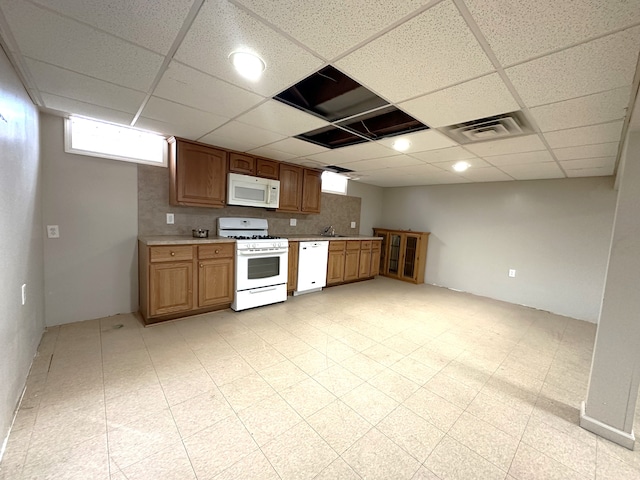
[(68, 144), (329, 184)]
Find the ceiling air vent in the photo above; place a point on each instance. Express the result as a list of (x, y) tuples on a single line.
[(491, 128), (337, 169)]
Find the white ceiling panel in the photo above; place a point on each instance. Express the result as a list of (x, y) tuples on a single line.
[(297, 147), (487, 174), (540, 156), (421, 141), (572, 137), (598, 162), (271, 153), (587, 151), (518, 30), (583, 111), (591, 172), (281, 118), (153, 25), (602, 64), (68, 105), (353, 153), (65, 83), (431, 51), (253, 137), (80, 48), (533, 171), (385, 162), (526, 143), (443, 155), (331, 27), (221, 28), (192, 123), (195, 89), (473, 162), (482, 97), (306, 162)]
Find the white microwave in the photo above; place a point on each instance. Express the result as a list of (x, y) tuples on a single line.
[(253, 191)]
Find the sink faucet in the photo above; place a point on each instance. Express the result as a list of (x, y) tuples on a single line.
[(329, 231)]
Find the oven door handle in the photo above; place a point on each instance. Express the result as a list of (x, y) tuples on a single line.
[(262, 290), (264, 253)]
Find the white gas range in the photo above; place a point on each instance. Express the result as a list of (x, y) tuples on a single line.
[(261, 262)]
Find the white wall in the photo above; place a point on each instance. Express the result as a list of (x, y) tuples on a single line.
[(371, 206), (91, 270), (555, 233), (21, 326)]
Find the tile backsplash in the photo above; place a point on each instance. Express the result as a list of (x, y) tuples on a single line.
[(153, 206)]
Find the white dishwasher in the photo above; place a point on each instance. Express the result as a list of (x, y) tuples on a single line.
[(312, 266)]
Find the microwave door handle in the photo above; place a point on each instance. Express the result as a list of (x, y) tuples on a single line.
[(269, 194)]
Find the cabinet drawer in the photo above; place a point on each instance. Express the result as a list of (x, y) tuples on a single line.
[(170, 253), (216, 250), (353, 244), (365, 245), (337, 246), (376, 245)]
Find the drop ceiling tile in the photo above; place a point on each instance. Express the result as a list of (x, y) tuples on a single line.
[(153, 25), (479, 98), (65, 83), (587, 163), (518, 30), (306, 162), (488, 174), (443, 155), (587, 151), (296, 147), (180, 120), (422, 141), (474, 163), (540, 156), (253, 137), (68, 105), (330, 27), (429, 52), (526, 143), (382, 163), (591, 135), (66, 43), (591, 172), (418, 170), (221, 28), (183, 84), (578, 112), (271, 153), (602, 64), (280, 118), (353, 153), (533, 171)]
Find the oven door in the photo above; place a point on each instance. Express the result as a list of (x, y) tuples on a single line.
[(258, 268)]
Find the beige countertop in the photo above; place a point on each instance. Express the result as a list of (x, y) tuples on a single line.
[(189, 240)]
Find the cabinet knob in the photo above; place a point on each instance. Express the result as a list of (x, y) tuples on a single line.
[(217, 251), (173, 254), (201, 265)]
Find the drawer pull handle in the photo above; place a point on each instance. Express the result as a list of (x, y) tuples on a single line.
[(173, 254)]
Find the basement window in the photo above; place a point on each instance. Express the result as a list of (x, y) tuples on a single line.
[(334, 183), (84, 136)]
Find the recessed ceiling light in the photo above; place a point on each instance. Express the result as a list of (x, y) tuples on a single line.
[(401, 145), (249, 65), (461, 166)]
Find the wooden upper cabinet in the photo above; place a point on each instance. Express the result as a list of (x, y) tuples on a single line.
[(291, 177), (243, 164), (266, 168), (198, 174), (311, 191)]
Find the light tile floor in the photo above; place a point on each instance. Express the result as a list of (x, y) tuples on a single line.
[(374, 380)]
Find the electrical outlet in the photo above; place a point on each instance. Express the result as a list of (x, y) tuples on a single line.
[(512, 272), (53, 231), (293, 222), (353, 224), (170, 219), (24, 293)]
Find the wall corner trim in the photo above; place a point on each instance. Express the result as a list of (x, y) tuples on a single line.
[(624, 439)]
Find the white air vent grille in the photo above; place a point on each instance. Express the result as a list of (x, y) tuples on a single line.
[(490, 128)]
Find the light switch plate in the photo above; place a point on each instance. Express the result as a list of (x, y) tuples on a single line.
[(53, 231), (353, 224), (170, 219), (293, 222)]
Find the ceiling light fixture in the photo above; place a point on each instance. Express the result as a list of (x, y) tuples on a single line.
[(461, 166), (248, 65), (401, 145)]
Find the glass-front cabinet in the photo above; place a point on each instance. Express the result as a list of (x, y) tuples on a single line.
[(404, 254)]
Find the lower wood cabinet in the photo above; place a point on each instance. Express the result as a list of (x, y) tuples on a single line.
[(292, 277), (335, 263), (169, 273), (350, 260), (403, 254)]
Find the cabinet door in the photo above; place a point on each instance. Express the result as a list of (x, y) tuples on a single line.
[(375, 259), (394, 259), (170, 288), (292, 278), (311, 191), (351, 264), (267, 168), (409, 264), (200, 176), (365, 264), (243, 164), (215, 282), (290, 188), (335, 267)]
